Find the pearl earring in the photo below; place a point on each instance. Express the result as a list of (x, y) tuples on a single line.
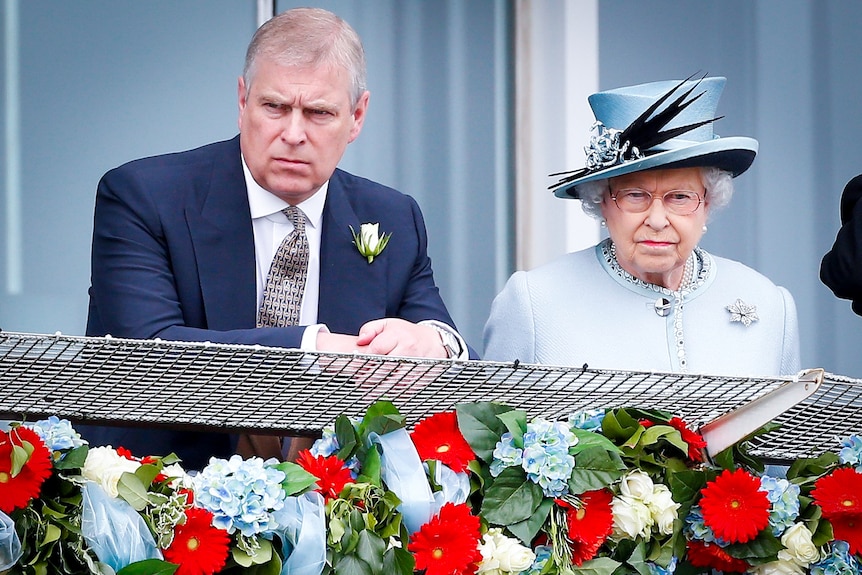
[(603, 222), (704, 228)]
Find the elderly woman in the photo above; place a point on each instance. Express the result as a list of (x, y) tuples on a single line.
[(648, 298)]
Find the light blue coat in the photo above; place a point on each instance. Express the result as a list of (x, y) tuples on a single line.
[(577, 311)]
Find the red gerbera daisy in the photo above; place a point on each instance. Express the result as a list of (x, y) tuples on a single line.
[(734, 507), (17, 490), (331, 473), (449, 543), (839, 492), (198, 547), (848, 528), (702, 554), (438, 437), (695, 441), (590, 524)]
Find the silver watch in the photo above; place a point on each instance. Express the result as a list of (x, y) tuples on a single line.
[(449, 341)]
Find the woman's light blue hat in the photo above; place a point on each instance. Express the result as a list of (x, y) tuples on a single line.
[(657, 125)]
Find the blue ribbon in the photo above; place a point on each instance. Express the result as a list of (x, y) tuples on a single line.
[(454, 487), (114, 530), (303, 535), (10, 545), (403, 472)]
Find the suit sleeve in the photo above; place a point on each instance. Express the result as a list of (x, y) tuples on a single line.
[(143, 281), (791, 362), (510, 332), (841, 267)]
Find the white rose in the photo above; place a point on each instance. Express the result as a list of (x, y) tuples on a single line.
[(777, 568), (369, 235), (637, 485), (180, 478), (104, 466), (800, 547), (663, 508), (631, 518), (501, 554)]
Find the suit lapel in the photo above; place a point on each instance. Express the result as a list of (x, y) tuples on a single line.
[(223, 239), (352, 291)]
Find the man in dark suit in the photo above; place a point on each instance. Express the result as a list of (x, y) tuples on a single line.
[(182, 243)]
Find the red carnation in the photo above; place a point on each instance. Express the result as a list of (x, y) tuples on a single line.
[(198, 547), (589, 524), (16, 491), (331, 473), (734, 507), (449, 543), (438, 437), (709, 555), (839, 493)]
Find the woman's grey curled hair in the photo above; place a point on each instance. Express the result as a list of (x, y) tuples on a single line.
[(718, 184), (309, 37)]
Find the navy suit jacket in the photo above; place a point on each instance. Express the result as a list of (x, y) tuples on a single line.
[(173, 257)]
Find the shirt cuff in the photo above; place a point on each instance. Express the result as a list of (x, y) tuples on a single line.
[(465, 353), (309, 336)]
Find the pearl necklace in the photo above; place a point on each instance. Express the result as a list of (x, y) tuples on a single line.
[(663, 305)]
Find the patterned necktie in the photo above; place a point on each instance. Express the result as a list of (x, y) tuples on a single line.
[(285, 282)]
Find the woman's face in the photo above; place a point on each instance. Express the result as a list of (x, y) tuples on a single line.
[(653, 245)]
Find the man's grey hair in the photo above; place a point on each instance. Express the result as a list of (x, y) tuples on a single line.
[(718, 184), (309, 37)]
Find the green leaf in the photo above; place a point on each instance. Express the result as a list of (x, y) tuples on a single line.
[(595, 468), (147, 473), (481, 427), (381, 417), (597, 566), (763, 549), (371, 549), (371, 468), (526, 530), (347, 437), (261, 556), (351, 565), (590, 439), (149, 567), (52, 533), (296, 479), (19, 459), (397, 561), (511, 498), (131, 488), (516, 424), (73, 459)]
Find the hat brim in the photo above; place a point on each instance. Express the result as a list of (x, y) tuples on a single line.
[(733, 154)]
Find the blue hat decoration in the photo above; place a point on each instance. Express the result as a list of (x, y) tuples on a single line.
[(665, 124)]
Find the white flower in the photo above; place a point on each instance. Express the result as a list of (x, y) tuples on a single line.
[(631, 518), (368, 241), (663, 509), (637, 485), (180, 478), (800, 547), (779, 567), (501, 554), (104, 466)]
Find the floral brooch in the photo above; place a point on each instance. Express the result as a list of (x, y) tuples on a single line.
[(369, 241), (742, 312)]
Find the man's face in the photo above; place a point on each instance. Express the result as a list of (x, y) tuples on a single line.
[(295, 124)]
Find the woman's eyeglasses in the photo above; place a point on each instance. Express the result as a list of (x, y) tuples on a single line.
[(679, 202)]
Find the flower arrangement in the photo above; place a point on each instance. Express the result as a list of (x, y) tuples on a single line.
[(482, 489)]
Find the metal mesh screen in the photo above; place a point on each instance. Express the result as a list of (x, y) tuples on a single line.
[(236, 388)]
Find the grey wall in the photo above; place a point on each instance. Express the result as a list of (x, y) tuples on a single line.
[(794, 70)]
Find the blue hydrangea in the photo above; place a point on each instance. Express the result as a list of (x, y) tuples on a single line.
[(243, 495), (543, 556), (655, 569), (588, 419), (696, 528), (546, 456), (57, 434), (784, 500), (851, 452), (837, 562), (505, 455)]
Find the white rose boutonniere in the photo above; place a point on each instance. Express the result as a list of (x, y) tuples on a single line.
[(368, 241)]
